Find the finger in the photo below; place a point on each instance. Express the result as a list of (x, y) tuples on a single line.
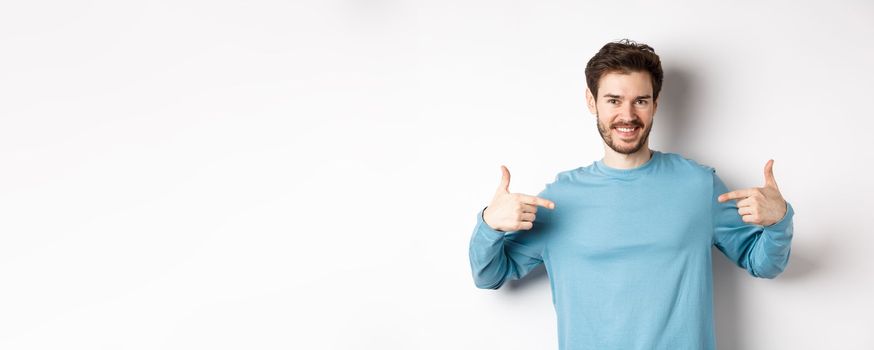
[(528, 208), (527, 217), (769, 174), (745, 211), (736, 194), (536, 201), (505, 180), (746, 202), (525, 225), (750, 219)]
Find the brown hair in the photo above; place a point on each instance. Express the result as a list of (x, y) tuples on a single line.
[(624, 56)]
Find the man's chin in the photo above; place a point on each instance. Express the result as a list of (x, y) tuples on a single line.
[(626, 149)]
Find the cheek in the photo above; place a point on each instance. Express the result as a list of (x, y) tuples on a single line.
[(646, 113), (602, 118), (605, 110)]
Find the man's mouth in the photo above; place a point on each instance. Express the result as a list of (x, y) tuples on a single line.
[(626, 131)]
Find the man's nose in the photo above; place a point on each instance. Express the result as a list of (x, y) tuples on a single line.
[(626, 112)]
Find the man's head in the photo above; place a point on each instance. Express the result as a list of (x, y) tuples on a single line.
[(624, 80)]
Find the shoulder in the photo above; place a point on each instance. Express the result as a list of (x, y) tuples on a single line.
[(689, 170), (575, 175), (677, 162)]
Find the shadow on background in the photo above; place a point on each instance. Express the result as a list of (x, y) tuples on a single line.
[(674, 115)]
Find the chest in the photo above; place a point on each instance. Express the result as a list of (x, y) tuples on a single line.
[(617, 219)]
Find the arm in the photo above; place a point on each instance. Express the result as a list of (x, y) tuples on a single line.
[(497, 256), (761, 250)]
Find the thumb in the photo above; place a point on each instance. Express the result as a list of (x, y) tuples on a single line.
[(769, 174), (505, 180)]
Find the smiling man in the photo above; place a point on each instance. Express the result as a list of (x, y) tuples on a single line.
[(626, 240)]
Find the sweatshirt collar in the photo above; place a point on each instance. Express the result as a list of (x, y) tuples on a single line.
[(628, 173)]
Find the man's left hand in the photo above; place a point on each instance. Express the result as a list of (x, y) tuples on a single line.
[(759, 205)]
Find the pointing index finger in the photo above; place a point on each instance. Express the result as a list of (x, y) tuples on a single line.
[(736, 195), (536, 201)]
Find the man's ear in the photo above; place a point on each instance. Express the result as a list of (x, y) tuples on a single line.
[(590, 102), (655, 105)]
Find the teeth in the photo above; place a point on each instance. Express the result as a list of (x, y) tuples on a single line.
[(625, 129)]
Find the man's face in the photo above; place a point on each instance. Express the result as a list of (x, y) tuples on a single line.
[(624, 110)]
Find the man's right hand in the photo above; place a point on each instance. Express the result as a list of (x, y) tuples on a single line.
[(512, 211)]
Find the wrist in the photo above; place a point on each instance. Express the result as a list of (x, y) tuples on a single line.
[(486, 222), (782, 218)]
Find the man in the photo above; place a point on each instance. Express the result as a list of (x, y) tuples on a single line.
[(626, 240)]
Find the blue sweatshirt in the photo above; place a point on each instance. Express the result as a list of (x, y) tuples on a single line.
[(628, 253)]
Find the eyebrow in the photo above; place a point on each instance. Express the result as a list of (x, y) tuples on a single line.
[(642, 97)]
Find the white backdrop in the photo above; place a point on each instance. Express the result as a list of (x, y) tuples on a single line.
[(306, 175)]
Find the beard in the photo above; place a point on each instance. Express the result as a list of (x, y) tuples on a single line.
[(606, 132)]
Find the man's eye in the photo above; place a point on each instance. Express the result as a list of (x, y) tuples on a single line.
[(642, 102), (612, 100)]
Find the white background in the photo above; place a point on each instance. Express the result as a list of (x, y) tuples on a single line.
[(306, 175)]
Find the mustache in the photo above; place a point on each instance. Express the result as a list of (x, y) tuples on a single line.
[(636, 123)]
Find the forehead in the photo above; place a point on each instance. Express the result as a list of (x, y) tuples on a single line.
[(625, 84)]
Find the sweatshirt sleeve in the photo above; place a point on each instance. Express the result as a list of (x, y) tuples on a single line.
[(761, 250), (497, 256)]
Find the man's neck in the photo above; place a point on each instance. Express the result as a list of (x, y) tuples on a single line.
[(618, 160)]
